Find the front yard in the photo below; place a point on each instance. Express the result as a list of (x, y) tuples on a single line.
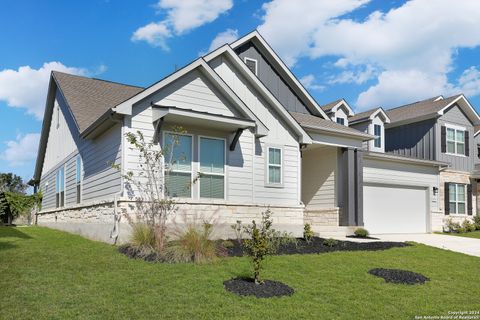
[(56, 275), (473, 234)]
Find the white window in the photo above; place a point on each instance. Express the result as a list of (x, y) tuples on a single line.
[(377, 132), (455, 141), (275, 167), (212, 168), (60, 188), (341, 121), (177, 153), (78, 178), (457, 196), (252, 65)]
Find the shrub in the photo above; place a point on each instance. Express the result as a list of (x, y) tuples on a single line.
[(238, 229), (308, 232), (451, 226), (461, 230), (143, 236), (476, 221), (361, 233), (330, 242), (468, 225), (193, 244), (261, 243)]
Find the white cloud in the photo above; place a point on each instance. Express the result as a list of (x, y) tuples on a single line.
[(27, 87), (417, 40), (222, 38), (469, 82), (309, 82), (22, 150), (181, 17), (153, 33), (359, 76)]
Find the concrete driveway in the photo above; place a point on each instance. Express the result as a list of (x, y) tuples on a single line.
[(458, 244)]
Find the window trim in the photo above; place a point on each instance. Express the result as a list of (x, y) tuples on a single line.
[(465, 202), (455, 128), (267, 165), (164, 132), (214, 174), (253, 60), (340, 118), (378, 138), (79, 183), (60, 204)]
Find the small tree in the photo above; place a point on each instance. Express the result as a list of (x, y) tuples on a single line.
[(15, 204), (261, 243), (155, 164)]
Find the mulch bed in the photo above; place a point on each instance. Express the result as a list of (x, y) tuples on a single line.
[(247, 287), (399, 276), (357, 237), (316, 245)]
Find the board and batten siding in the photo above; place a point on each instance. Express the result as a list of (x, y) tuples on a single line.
[(415, 140), (100, 182), (388, 172), (456, 117), (319, 168), (246, 165), (270, 78)]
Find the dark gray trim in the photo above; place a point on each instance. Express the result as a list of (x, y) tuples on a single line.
[(446, 191)]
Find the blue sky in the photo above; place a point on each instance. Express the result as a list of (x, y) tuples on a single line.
[(372, 53)]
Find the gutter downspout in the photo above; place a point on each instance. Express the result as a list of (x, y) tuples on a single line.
[(116, 216)]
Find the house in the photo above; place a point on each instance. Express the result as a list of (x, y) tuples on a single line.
[(255, 134)]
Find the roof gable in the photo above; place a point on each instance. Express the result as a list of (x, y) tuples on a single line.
[(336, 105), (281, 68), (370, 115)]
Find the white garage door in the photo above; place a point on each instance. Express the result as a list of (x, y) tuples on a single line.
[(393, 209)]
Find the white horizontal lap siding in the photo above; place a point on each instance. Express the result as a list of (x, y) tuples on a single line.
[(318, 178), (192, 91), (240, 166), (100, 180), (395, 173)]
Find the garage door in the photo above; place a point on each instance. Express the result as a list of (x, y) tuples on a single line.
[(393, 209)]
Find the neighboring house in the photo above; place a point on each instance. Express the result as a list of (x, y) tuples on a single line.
[(257, 136)]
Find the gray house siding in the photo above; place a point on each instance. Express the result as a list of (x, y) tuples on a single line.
[(413, 140), (363, 127), (99, 180), (270, 78), (456, 117)]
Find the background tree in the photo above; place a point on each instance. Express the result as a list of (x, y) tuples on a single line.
[(11, 182)]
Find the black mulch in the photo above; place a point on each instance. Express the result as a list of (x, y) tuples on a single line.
[(135, 253), (357, 237), (247, 287), (316, 245), (399, 276)]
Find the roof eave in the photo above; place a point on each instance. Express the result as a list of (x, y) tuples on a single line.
[(396, 158), (361, 136)]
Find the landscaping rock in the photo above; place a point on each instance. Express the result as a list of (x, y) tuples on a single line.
[(247, 287), (399, 276)]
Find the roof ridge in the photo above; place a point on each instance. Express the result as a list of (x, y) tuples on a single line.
[(97, 79)]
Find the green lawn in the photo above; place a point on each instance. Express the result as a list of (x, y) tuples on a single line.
[(48, 274), (474, 234)]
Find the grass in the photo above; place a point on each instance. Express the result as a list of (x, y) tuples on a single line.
[(473, 234), (48, 274)]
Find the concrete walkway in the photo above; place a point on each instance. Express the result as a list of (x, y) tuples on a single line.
[(464, 245)]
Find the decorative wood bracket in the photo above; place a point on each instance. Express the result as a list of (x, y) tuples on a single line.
[(234, 142)]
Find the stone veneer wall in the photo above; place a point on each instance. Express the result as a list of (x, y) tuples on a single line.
[(439, 219), (96, 221), (322, 217)]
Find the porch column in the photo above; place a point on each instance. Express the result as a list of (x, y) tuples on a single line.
[(351, 187)]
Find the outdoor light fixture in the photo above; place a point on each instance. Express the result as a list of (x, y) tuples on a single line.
[(435, 191)]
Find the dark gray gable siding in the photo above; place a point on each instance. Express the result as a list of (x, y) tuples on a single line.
[(272, 80), (413, 140), (456, 116)]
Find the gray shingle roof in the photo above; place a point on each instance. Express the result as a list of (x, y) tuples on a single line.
[(314, 122), (330, 105), (362, 115), (418, 109), (90, 98)]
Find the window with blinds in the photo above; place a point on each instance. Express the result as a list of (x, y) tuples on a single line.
[(177, 150), (60, 188), (212, 168)]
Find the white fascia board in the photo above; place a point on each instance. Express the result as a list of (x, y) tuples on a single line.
[(466, 106), (255, 36), (380, 111), (345, 104), (233, 57)]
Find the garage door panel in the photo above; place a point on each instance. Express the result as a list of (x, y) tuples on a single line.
[(394, 209)]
